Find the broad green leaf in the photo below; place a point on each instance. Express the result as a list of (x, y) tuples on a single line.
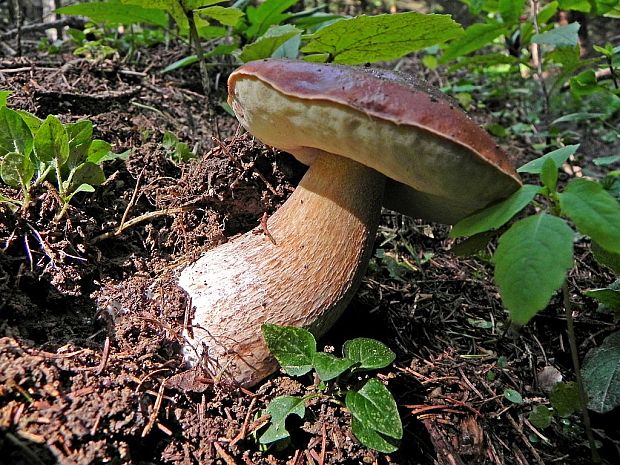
[(605, 7), (585, 83), (228, 16), (383, 37), (497, 215), (575, 5), (549, 174), (568, 57), (370, 354), (31, 120), (375, 408), (173, 7), (293, 348), (329, 366), (606, 258), (51, 142), (564, 398), (601, 375), (80, 137), (268, 43), (540, 417), (547, 12), (16, 170), (4, 94), (511, 10), (561, 36), (371, 438), (531, 262), (279, 409), (559, 156), (289, 49), (15, 136), (475, 37), (116, 13), (513, 396), (595, 212), (197, 4), (269, 13), (86, 173), (610, 298), (78, 189), (98, 151)]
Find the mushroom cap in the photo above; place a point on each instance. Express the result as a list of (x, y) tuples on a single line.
[(441, 165)]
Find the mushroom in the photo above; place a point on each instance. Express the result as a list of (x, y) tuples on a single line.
[(371, 138)]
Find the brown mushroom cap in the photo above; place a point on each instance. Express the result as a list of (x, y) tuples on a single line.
[(441, 164)]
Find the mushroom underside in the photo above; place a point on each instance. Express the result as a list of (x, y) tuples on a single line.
[(322, 241)]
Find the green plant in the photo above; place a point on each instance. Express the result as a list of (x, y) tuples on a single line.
[(177, 151), (34, 150), (374, 415), (535, 253)]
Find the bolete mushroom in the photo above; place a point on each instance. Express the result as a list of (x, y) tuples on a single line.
[(370, 138)]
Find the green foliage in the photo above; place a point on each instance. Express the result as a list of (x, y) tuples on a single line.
[(601, 373), (375, 419), (114, 12), (513, 396), (65, 152), (178, 152), (564, 398), (540, 416)]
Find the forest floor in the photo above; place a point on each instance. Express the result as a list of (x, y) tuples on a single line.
[(91, 316)]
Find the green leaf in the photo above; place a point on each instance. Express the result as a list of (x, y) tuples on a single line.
[(31, 120), (585, 83), (116, 13), (559, 156), (475, 37), (371, 438), (15, 136), (547, 12), (531, 262), (511, 10), (293, 348), (486, 60), (86, 173), (78, 189), (595, 212), (564, 398), (576, 5), (375, 408), (369, 354), (219, 50), (51, 142), (267, 14), (16, 170), (329, 366), (606, 258), (228, 16), (268, 43), (549, 174), (540, 417), (497, 215), (606, 296), (99, 151), (189, 5), (513, 396), (601, 375), (4, 94), (605, 161), (279, 409), (366, 39), (80, 137), (576, 117), (473, 244), (561, 36), (173, 7)]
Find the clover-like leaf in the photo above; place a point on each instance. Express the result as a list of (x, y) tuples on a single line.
[(375, 408), (368, 354), (293, 348), (279, 409), (595, 212), (329, 366), (531, 262)]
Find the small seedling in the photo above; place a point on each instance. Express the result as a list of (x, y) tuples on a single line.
[(33, 151), (178, 152), (375, 421)]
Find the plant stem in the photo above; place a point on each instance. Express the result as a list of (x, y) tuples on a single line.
[(537, 56), (583, 398)]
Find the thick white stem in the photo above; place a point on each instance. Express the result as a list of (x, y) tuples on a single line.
[(323, 239)]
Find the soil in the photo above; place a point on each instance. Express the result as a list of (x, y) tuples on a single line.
[(91, 317)]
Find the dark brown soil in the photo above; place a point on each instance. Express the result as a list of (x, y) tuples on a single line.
[(90, 314)]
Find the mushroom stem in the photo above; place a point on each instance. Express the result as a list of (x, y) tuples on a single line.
[(323, 240)]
